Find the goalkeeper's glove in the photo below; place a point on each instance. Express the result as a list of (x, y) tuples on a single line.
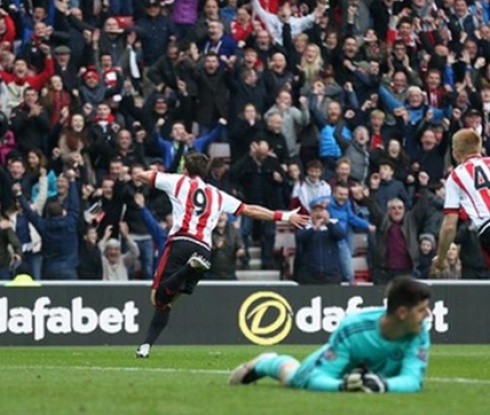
[(353, 382), (372, 383)]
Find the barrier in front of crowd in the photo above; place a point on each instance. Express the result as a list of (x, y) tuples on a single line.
[(228, 313)]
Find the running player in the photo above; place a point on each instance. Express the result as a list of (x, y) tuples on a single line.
[(197, 207), (377, 351), (468, 188)]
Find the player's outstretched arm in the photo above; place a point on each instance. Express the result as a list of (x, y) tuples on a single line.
[(262, 213), (147, 177)]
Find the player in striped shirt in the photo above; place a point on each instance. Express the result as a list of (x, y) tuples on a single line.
[(375, 351), (467, 188), (196, 208)]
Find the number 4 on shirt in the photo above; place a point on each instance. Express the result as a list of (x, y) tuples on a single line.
[(481, 179)]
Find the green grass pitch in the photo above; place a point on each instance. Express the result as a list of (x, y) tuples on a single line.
[(193, 380)]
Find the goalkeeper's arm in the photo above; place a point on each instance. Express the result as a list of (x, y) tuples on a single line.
[(414, 367)]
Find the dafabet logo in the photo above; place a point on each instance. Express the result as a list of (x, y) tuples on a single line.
[(265, 318)]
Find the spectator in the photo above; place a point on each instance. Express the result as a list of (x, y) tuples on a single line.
[(114, 264), (396, 250), (274, 137), (243, 131), (259, 174), (218, 175), (331, 129), (427, 252), (73, 138), (435, 213), (90, 265), (241, 25), (275, 22), (394, 152), (8, 240), (293, 119), (30, 122), (357, 152), (7, 139), (173, 152), (212, 93), (19, 79), (219, 42), (312, 188), (211, 13), (317, 257), (387, 188), (227, 248), (158, 231), (58, 232), (452, 265), (155, 31), (138, 232), (14, 173), (341, 210)]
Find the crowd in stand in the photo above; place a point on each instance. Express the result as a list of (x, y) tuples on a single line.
[(343, 109)]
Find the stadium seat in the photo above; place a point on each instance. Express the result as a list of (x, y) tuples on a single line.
[(361, 269), (360, 244), (220, 150)]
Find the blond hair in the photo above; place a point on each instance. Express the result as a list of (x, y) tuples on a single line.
[(467, 142), (312, 70)]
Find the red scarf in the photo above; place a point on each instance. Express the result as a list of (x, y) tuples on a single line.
[(110, 119), (376, 141)]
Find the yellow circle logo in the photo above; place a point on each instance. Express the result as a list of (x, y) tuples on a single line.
[(254, 310)]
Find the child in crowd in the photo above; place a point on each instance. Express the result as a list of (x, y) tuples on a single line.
[(427, 252)]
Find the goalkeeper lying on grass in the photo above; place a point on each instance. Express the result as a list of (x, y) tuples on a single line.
[(377, 351)]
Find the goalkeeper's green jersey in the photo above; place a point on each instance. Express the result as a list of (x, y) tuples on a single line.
[(358, 342)]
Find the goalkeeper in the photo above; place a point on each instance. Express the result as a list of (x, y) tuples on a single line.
[(376, 351)]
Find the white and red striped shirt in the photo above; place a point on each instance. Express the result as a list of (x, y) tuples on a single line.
[(196, 206), (468, 187)]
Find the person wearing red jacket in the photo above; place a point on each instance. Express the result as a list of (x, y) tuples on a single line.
[(20, 79), (7, 31)]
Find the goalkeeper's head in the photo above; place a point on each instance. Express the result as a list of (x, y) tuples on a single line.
[(408, 304)]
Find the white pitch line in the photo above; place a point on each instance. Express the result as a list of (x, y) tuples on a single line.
[(124, 369), (467, 381)]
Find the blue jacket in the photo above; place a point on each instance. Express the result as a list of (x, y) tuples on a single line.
[(346, 216), (328, 144), (59, 235), (169, 148), (317, 254), (158, 235)]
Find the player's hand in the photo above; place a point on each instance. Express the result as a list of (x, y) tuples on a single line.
[(353, 382), (436, 268), (372, 383), (297, 220)]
